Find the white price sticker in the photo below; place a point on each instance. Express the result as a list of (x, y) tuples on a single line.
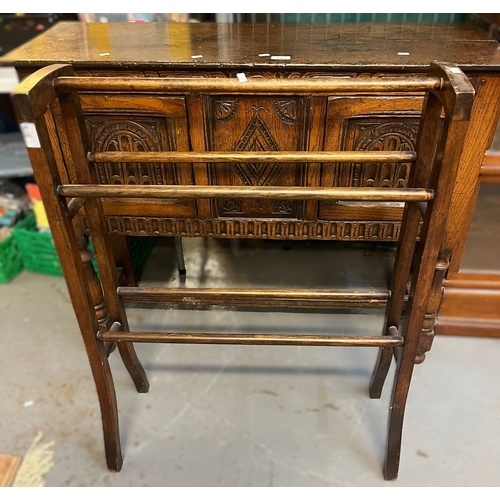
[(281, 58), (30, 135), (242, 77)]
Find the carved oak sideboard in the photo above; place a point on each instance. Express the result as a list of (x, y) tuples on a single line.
[(205, 122)]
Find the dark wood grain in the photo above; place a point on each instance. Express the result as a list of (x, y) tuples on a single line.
[(348, 46), (267, 298), (143, 123), (361, 123)]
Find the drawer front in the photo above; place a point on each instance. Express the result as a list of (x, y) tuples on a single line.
[(368, 123), (146, 123)]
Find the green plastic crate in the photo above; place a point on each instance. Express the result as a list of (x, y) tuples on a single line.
[(140, 248), (39, 254), (11, 263), (37, 249)]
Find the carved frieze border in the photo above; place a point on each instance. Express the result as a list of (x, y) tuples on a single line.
[(231, 73), (246, 228)]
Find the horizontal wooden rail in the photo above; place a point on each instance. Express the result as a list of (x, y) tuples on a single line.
[(258, 298), (252, 86), (490, 169), (273, 192), (251, 339), (251, 156)]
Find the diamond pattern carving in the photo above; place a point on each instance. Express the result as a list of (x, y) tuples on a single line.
[(256, 137)]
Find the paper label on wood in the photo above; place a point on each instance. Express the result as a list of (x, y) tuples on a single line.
[(30, 135)]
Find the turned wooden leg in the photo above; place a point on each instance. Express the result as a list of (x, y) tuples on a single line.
[(101, 312), (126, 349), (433, 305)]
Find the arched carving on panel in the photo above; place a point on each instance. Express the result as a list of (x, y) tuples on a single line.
[(387, 136), (132, 135)]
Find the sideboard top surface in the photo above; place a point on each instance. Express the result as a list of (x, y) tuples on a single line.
[(319, 46)]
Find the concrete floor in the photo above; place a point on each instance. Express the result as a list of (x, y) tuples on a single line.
[(246, 415)]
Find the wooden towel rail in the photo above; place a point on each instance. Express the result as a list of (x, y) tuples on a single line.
[(49, 108)]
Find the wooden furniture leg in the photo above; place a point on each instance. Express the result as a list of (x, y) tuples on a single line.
[(412, 353), (420, 175), (431, 261), (179, 253), (46, 172), (73, 122)]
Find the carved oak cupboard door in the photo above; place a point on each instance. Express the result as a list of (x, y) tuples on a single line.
[(368, 123), (241, 123), (145, 123)]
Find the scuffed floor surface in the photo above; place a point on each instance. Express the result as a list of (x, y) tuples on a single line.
[(245, 415)]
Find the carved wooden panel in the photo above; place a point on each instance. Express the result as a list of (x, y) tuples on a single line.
[(123, 123), (232, 73), (369, 124), (256, 124), (280, 229)]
